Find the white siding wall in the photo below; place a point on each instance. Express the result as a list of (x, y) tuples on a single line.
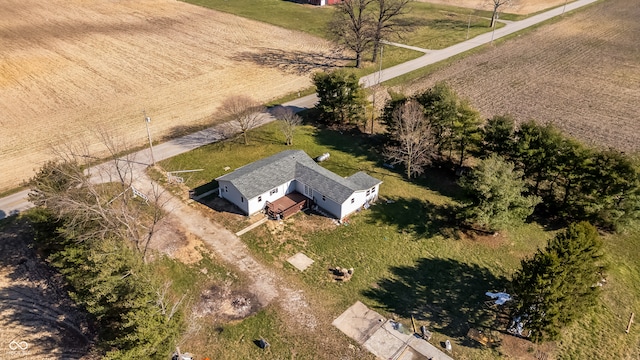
[(359, 198), (255, 205), (229, 192), (282, 190), (373, 194), (252, 206), (290, 187), (328, 205)]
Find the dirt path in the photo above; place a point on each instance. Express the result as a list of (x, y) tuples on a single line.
[(265, 284)]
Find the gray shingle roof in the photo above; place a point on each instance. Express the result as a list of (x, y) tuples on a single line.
[(364, 180), (263, 175)]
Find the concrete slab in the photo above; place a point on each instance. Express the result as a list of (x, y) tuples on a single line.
[(426, 348), (383, 345), (359, 322), (383, 338), (300, 261)]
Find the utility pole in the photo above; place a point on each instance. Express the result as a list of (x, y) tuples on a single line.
[(564, 7), (147, 120), (493, 33), (375, 89)]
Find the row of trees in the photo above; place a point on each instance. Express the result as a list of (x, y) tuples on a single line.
[(574, 181), (97, 235), (524, 166), (517, 170), (566, 179), (361, 24)]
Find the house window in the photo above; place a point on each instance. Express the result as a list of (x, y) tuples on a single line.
[(353, 200), (260, 198), (368, 192), (226, 188), (241, 199), (373, 190), (274, 191), (308, 191), (324, 198)]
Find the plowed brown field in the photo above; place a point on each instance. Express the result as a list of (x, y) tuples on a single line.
[(68, 66), (581, 73)]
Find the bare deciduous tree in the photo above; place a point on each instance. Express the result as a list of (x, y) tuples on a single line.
[(99, 202), (244, 113), (288, 122), (413, 140), (496, 6), (388, 11), (352, 25)]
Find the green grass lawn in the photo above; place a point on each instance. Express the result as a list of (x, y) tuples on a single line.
[(433, 26), (407, 257)]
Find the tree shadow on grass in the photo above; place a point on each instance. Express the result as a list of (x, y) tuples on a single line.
[(416, 216), (351, 142), (295, 62), (191, 137), (446, 293), (441, 179)]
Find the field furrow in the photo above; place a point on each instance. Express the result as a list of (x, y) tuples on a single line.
[(581, 73)]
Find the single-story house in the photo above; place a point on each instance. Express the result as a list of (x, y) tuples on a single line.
[(292, 173)]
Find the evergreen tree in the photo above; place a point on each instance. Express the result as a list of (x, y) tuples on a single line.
[(497, 193), (387, 116), (570, 172), (499, 136), (559, 283), (611, 189), (537, 151), (466, 135), (341, 98), (441, 108), (135, 313), (455, 123)]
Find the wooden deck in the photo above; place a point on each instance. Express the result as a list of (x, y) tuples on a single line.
[(286, 205)]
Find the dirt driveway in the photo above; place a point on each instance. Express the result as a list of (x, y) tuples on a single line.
[(265, 285)]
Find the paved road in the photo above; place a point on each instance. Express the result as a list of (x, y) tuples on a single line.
[(18, 202)]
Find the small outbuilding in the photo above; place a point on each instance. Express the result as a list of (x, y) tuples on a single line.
[(292, 173)]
